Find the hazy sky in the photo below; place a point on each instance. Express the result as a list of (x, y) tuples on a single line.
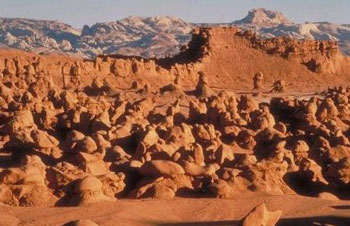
[(80, 12)]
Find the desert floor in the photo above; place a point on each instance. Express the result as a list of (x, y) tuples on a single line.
[(297, 210)]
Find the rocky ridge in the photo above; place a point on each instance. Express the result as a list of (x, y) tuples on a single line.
[(150, 37)]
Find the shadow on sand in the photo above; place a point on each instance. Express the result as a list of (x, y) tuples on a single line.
[(203, 223), (346, 207), (302, 221)]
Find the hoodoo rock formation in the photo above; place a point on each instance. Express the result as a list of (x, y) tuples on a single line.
[(75, 132)]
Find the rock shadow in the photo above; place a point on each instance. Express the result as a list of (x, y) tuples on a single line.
[(300, 221)]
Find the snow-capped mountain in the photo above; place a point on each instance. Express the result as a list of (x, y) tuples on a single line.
[(151, 36), (148, 37), (37, 35)]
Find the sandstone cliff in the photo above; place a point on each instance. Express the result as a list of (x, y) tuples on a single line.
[(229, 56)]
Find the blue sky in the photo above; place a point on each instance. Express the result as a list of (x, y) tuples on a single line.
[(80, 12)]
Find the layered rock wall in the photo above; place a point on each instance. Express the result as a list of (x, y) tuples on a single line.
[(224, 53)]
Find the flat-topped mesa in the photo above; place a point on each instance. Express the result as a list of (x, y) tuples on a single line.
[(289, 48), (233, 55), (312, 53), (284, 46), (308, 52)]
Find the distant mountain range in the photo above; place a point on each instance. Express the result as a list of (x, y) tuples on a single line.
[(151, 36)]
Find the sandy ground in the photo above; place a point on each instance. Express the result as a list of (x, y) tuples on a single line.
[(297, 210)]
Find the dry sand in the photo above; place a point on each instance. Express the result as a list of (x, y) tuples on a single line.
[(297, 210)]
